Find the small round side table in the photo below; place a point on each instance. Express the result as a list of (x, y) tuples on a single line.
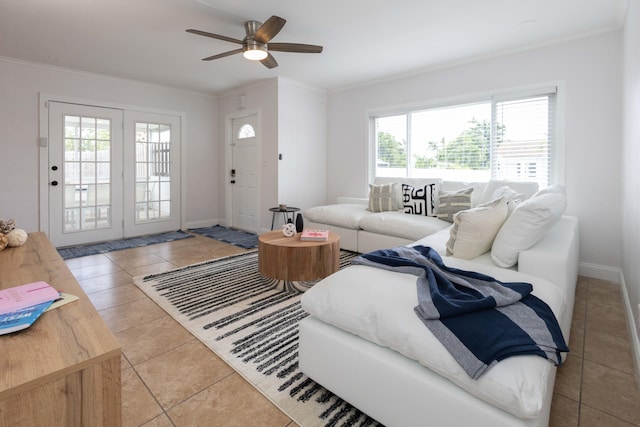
[(289, 258), (288, 214)]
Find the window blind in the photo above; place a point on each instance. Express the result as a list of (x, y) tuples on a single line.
[(391, 144), (508, 136), (523, 138)]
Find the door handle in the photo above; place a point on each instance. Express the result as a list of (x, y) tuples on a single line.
[(233, 181), (54, 183)]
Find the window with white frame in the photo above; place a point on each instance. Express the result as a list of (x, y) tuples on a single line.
[(505, 136)]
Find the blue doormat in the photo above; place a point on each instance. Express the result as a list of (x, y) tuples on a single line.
[(116, 245), (228, 235)]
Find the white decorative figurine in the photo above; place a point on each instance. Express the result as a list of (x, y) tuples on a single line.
[(16, 237), (289, 230)]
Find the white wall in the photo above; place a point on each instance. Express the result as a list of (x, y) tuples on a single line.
[(20, 84), (631, 172), (302, 136), (589, 69)]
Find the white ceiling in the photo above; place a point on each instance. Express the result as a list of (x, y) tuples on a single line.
[(363, 40)]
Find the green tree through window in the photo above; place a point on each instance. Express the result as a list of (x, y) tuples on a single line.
[(392, 151), (469, 150)]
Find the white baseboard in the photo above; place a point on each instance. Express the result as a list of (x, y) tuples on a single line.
[(602, 272), (633, 326)]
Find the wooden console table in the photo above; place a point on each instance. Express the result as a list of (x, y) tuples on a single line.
[(64, 370)]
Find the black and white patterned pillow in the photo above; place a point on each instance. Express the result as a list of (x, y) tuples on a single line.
[(418, 200)]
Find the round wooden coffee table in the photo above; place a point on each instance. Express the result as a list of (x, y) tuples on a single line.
[(289, 258)]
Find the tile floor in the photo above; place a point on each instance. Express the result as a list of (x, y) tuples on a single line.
[(170, 379)]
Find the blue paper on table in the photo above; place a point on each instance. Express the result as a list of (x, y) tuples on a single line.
[(21, 319)]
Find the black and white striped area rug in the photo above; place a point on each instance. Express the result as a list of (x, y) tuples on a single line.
[(252, 323)]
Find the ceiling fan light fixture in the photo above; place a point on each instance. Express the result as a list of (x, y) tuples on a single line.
[(257, 42), (255, 51)]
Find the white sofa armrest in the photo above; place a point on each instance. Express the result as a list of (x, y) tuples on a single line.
[(555, 256)]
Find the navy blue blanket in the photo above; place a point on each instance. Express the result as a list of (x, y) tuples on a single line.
[(479, 319)]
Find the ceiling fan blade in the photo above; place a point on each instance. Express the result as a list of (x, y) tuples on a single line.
[(214, 36), (222, 55), (295, 47), (269, 61), (269, 29)]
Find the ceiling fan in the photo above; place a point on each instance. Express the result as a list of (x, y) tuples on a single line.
[(256, 46)]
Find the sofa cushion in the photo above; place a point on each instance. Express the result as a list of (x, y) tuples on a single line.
[(529, 222), (507, 193), (511, 196), (346, 215), (528, 189), (377, 305), (474, 230), (437, 241), (398, 224), (419, 200), (451, 202), (381, 197)]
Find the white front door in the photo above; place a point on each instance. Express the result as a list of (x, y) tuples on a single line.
[(244, 174), (112, 173)]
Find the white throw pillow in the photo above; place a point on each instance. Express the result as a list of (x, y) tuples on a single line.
[(529, 222), (526, 188), (474, 229), (511, 196)]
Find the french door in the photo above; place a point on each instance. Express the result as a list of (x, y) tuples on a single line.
[(151, 173), (111, 173)]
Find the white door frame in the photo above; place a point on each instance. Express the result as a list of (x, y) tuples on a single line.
[(43, 132), (228, 161)]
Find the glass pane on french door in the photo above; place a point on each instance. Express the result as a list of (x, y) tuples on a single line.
[(87, 173), (153, 172)]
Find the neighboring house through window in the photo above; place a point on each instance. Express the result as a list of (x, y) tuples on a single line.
[(510, 136)]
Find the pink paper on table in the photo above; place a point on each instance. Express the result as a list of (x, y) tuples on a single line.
[(23, 296)]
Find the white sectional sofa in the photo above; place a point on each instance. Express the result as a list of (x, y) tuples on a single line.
[(363, 341), (363, 231)]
